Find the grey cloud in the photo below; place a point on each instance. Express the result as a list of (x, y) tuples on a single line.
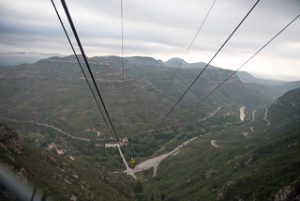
[(155, 28)]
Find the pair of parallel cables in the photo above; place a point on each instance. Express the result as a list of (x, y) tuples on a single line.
[(109, 122), (105, 115)]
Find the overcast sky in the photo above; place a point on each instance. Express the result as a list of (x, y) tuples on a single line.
[(29, 29)]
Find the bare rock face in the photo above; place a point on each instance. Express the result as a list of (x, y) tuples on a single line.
[(290, 192), (9, 139)]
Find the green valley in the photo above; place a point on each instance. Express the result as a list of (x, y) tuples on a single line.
[(242, 143)]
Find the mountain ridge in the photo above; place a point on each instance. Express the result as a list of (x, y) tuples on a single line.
[(52, 109)]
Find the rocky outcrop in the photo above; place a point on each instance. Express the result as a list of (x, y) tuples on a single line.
[(290, 192), (9, 139)]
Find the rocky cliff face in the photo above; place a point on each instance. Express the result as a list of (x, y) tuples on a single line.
[(9, 140), (9, 146), (290, 192)]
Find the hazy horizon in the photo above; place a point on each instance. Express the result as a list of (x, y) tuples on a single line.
[(153, 29), (22, 60)]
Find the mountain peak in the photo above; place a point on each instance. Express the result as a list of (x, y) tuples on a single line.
[(175, 61)]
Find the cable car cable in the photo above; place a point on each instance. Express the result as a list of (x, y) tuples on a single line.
[(188, 48), (87, 64), (206, 66), (246, 62), (79, 63)]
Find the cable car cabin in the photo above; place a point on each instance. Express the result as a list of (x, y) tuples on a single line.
[(132, 160)]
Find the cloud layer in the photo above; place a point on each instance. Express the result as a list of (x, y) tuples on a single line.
[(162, 29)]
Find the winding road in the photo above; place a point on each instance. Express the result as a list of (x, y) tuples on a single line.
[(215, 144), (266, 117), (212, 114), (253, 115), (49, 126), (155, 161)]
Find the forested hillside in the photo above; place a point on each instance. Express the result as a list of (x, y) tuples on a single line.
[(255, 160), (230, 141)]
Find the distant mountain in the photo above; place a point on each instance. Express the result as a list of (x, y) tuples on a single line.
[(290, 85), (17, 58), (248, 78), (272, 89), (267, 88), (174, 62), (50, 83), (139, 60)]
